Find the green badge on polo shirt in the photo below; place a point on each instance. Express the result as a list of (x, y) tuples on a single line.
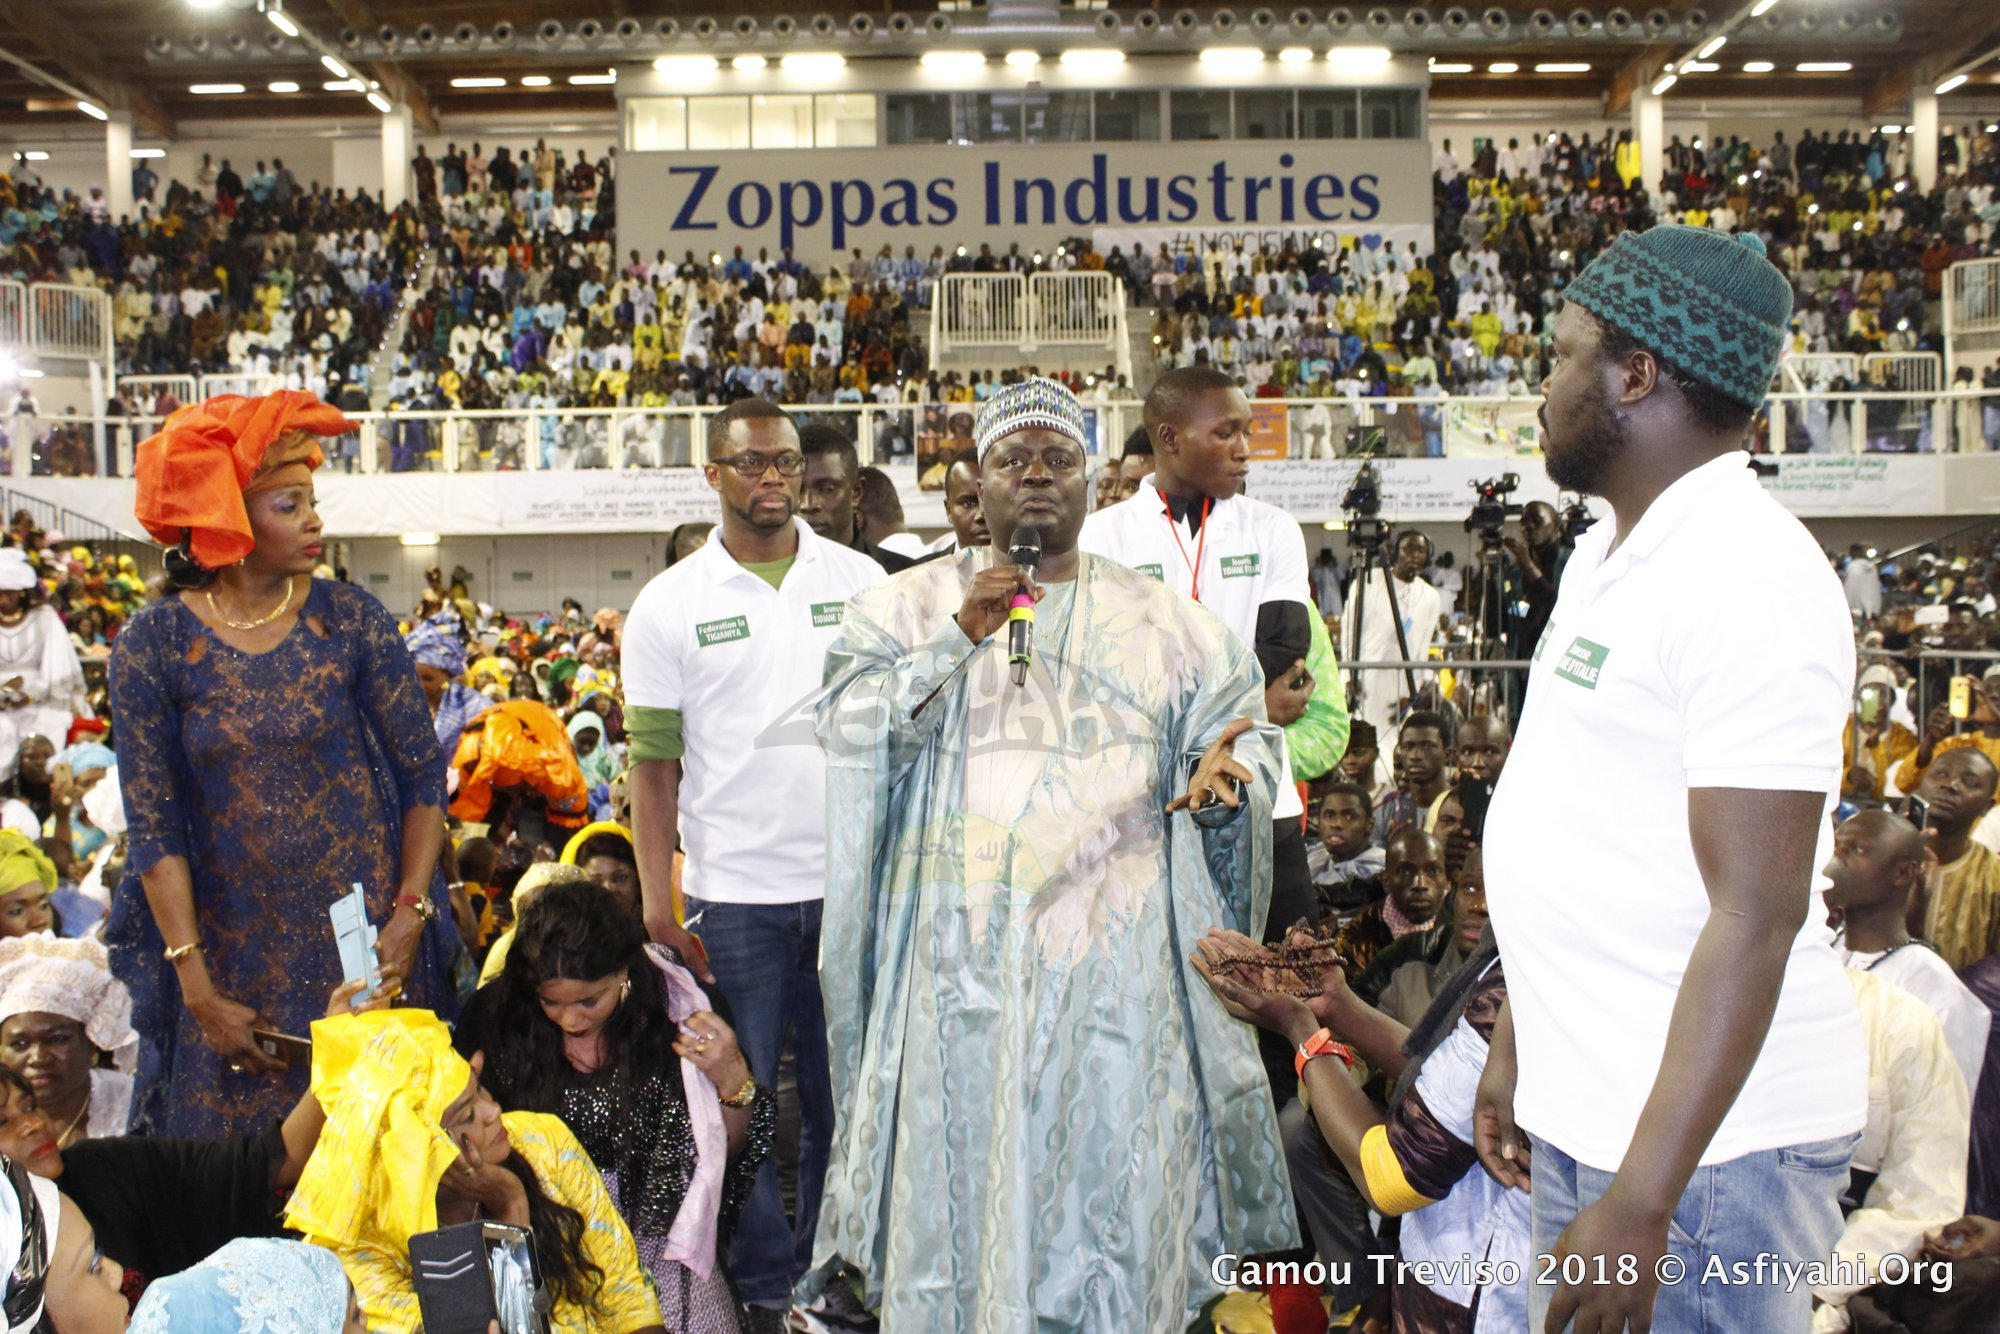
[(721, 632), (827, 613), (1152, 572), (1583, 662), (1241, 567)]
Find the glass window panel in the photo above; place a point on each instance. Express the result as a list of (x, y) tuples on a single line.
[(1200, 113), (1125, 116), (718, 122), (845, 120), (917, 118), (988, 118), (1056, 117), (781, 120), (1264, 113), (655, 124), (1329, 113), (1389, 113)]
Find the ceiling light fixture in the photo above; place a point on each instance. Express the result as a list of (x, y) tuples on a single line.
[(592, 80), (1450, 68), (335, 68), (813, 64), (1503, 67), (1699, 67), (1093, 57), (1024, 59), (1825, 67), (283, 86), (1715, 43), (535, 80), (1562, 67), (282, 22), (1663, 83), (380, 103), (1763, 7), (953, 62), (94, 111), (214, 89), (1757, 67), (1232, 57), (479, 83), (749, 64), (344, 86), (1295, 55), (1359, 59), (1953, 82)]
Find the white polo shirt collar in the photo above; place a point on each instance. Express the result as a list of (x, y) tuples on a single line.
[(719, 567), (1681, 500)]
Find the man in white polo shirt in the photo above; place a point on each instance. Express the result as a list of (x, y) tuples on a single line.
[(723, 654), (1679, 1038), (1191, 527)]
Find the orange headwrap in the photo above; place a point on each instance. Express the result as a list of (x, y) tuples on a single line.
[(193, 475)]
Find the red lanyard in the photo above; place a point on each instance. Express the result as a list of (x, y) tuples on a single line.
[(1173, 524)]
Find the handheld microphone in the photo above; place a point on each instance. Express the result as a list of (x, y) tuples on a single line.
[(1025, 550)]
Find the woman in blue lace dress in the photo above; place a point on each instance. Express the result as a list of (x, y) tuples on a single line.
[(274, 750)]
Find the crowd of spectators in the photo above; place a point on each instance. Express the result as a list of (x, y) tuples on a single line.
[(1865, 249)]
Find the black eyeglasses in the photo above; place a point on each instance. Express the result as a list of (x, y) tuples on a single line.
[(753, 466)]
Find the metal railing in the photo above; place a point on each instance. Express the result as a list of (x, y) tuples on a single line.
[(69, 322), (1029, 313), (1971, 298), (13, 313), (1499, 429)]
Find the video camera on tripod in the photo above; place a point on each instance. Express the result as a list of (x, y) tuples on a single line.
[(1366, 529), (1491, 509)]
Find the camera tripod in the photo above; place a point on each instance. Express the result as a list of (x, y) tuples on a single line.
[(1367, 536), (1494, 623)]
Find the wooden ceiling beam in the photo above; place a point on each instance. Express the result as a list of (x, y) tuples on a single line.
[(71, 55), (1638, 72)]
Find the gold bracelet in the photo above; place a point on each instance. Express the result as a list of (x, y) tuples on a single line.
[(744, 1096), (179, 952)]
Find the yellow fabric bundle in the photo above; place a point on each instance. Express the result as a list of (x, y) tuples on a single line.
[(384, 1079)]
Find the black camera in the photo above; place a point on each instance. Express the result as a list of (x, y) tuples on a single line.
[(1491, 509), (1364, 495), (1366, 530)]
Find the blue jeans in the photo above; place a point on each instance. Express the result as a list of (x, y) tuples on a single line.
[(766, 963), (1782, 1203)]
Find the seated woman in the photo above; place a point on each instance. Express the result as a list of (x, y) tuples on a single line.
[(242, 1288), (604, 851), (589, 1022), (61, 1015), (27, 879), (413, 1142), (163, 1205)]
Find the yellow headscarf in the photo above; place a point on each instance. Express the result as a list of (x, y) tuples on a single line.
[(23, 864), (384, 1079)]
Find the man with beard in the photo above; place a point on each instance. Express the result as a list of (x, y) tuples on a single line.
[(1043, 1122), (721, 652), (1961, 917), (1652, 849)]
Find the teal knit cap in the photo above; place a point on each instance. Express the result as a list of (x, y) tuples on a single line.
[(1710, 304)]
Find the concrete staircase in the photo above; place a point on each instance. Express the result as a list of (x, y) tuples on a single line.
[(383, 364)]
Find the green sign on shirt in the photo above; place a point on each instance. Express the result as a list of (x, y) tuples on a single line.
[(1583, 662), (1241, 567), (721, 632)]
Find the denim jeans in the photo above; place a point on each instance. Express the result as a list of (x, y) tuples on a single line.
[(766, 963), (1782, 1203)]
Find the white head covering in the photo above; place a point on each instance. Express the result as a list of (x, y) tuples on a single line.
[(30, 1214), (104, 804), (16, 574), (72, 978)]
